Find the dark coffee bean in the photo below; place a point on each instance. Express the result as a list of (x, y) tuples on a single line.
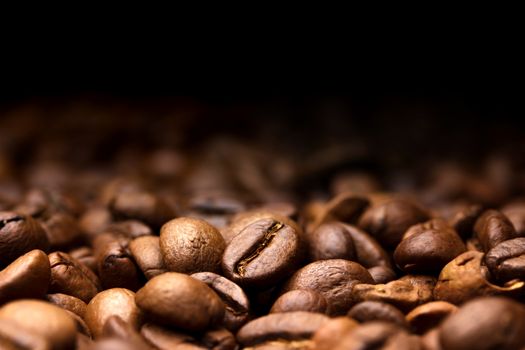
[(345, 207), (181, 301), (388, 221), (95, 220), (235, 300), (334, 279), (18, 235), (191, 245), (71, 277), (371, 336), (515, 212), (43, 319), (284, 345), (143, 206), (116, 327), (130, 228), (264, 253), (328, 335), (506, 261), (146, 253), (368, 251), (331, 241), (112, 302), (62, 230), (427, 247), (429, 315), (288, 325), (69, 303), (81, 325), (367, 311), (300, 300), (382, 274), (26, 277), (165, 338), (43, 203), (485, 323), (430, 340), (286, 209), (13, 337), (464, 219), (219, 339), (85, 256), (492, 228)]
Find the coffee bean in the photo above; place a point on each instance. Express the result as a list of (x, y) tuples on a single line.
[(85, 256), (191, 245), (235, 300), (492, 228), (465, 218), (18, 235), (178, 300), (506, 261), (263, 253), (112, 302), (62, 230), (243, 219), (13, 337), (130, 228), (430, 340), (334, 279), (146, 253), (300, 300), (26, 277), (116, 327), (289, 325), (485, 323), (165, 338), (43, 319), (369, 252), (429, 315), (219, 339), (345, 207), (331, 241), (69, 303), (95, 220), (515, 212), (382, 274), (367, 311), (328, 335), (283, 345), (371, 336)]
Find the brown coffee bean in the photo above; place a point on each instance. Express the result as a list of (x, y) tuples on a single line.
[(43, 319), (367, 311), (69, 303), (85, 256), (492, 228), (68, 276), (13, 337), (328, 335), (191, 245), (300, 300), (81, 325), (43, 203), (179, 300), (345, 207), (485, 323), (26, 277), (371, 336), (143, 206), (289, 325), (430, 340), (382, 274), (388, 221), (264, 253), (146, 253), (464, 219), (112, 302), (95, 220), (130, 228), (334, 279), (506, 261), (18, 235), (165, 338), (235, 300), (219, 339), (116, 327), (331, 241), (62, 230), (429, 315), (427, 247), (515, 212), (283, 345), (369, 252)]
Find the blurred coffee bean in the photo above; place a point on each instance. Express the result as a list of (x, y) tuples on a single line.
[(146, 253), (181, 301), (130, 228), (13, 337), (464, 219), (427, 316), (328, 335), (300, 300), (345, 207), (334, 279), (330, 241), (373, 335), (492, 228), (515, 212), (69, 303), (26, 277), (263, 253), (116, 327), (369, 252), (62, 230), (506, 261), (165, 338), (219, 339), (84, 255), (43, 203), (18, 235), (430, 340), (354, 182), (382, 274), (143, 206), (283, 345), (95, 220), (367, 311)]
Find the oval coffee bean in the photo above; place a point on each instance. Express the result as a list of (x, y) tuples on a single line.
[(429, 315), (492, 228), (366, 311), (146, 252), (26, 277), (69, 303), (13, 337), (368, 251), (191, 245), (300, 300), (165, 338), (289, 325), (235, 300), (142, 206), (345, 207), (382, 274), (515, 212), (506, 261), (334, 279), (371, 336), (62, 230), (116, 327), (330, 241), (328, 335), (465, 219), (178, 300), (263, 253), (115, 266), (112, 302)]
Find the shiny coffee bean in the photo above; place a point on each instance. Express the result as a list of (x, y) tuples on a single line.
[(334, 279), (331, 241), (191, 245), (116, 327), (506, 261), (492, 228), (427, 316), (13, 337), (369, 252), (143, 206), (367, 311), (464, 219), (382, 274), (515, 212), (69, 303), (62, 230), (300, 300), (146, 253), (263, 253), (327, 336), (181, 301)]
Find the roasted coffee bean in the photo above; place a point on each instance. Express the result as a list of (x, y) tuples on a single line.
[(69, 303), (85, 256), (464, 278), (71, 277), (289, 325), (334, 279), (263, 253), (62, 230), (18, 235), (429, 315), (492, 228), (130, 228), (43, 319), (191, 245), (369, 252), (388, 221), (331, 241), (465, 219), (382, 274), (13, 337), (165, 338), (146, 253), (367, 311), (219, 339), (485, 323), (427, 247), (235, 300), (328, 335), (506, 261), (371, 336), (26, 277), (112, 302), (43, 203), (95, 220), (345, 207), (515, 212), (300, 300), (143, 206), (116, 327), (81, 325), (430, 340), (284, 345), (179, 300)]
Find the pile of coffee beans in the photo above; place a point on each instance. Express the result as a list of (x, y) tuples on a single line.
[(229, 246)]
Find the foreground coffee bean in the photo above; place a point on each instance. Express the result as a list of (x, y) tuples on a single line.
[(372, 335), (263, 253), (369, 252), (116, 327), (506, 261), (179, 300), (43, 319), (283, 345), (485, 323), (427, 316), (62, 230), (18, 235), (69, 303), (146, 253), (288, 325), (465, 219), (331, 241), (334, 279), (191, 245), (492, 228), (26, 277), (367, 311), (328, 335), (300, 300), (13, 337)]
